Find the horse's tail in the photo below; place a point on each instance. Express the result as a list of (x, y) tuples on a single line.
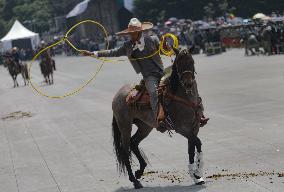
[(118, 148)]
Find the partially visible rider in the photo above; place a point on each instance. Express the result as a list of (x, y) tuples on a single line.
[(45, 56), (15, 55)]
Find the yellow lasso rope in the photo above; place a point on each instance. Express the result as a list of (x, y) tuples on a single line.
[(175, 45), (65, 38), (77, 90)]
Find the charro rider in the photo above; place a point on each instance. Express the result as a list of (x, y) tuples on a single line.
[(15, 55), (140, 45), (46, 55)]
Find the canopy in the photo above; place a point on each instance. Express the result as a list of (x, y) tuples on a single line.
[(259, 16), (19, 32)]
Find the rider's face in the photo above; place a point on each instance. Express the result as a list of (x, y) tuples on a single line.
[(135, 36)]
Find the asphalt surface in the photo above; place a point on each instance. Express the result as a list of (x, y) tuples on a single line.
[(65, 145)]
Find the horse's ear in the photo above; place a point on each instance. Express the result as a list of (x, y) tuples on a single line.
[(191, 49), (176, 50)]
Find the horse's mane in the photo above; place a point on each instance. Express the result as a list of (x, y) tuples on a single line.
[(180, 59), (174, 79)]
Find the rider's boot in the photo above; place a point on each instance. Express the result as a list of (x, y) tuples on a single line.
[(203, 120), (161, 125)]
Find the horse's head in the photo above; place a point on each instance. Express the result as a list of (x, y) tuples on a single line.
[(183, 70), (8, 61)]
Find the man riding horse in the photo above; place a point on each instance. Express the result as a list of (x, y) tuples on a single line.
[(47, 64), (16, 57), (46, 55), (15, 66), (141, 45)]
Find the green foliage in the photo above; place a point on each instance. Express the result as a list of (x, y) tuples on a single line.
[(33, 13), (209, 10), (36, 12)]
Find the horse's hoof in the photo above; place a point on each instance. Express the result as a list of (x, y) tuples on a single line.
[(198, 180), (137, 185), (138, 174), (200, 183)]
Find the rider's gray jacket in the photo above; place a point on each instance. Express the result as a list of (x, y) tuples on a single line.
[(148, 66)]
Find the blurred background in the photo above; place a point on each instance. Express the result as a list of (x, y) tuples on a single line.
[(210, 25)]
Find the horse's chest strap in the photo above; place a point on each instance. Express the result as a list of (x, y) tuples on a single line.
[(183, 101)]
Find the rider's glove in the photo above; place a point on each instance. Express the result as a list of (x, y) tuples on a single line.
[(95, 54)]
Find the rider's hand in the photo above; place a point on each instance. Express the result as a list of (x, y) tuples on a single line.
[(89, 53), (166, 46)]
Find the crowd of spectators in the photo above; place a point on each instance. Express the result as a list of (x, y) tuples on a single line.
[(228, 32)]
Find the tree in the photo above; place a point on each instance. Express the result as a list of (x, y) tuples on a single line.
[(37, 13), (209, 11), (224, 6)]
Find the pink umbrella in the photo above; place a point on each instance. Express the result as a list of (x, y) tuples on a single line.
[(168, 23)]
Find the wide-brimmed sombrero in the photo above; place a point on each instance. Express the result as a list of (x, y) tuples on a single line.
[(135, 26)]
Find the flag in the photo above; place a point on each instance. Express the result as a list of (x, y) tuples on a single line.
[(78, 9)]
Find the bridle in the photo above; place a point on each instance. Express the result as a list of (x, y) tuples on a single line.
[(188, 90)]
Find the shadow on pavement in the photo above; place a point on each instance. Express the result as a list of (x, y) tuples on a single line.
[(175, 188)]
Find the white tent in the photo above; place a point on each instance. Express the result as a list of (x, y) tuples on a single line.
[(17, 33)]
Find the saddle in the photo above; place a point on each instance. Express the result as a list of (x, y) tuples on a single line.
[(138, 97)]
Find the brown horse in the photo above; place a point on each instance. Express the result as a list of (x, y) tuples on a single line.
[(15, 69), (46, 66), (182, 108)]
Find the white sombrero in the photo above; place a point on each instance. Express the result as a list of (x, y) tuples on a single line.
[(135, 26)]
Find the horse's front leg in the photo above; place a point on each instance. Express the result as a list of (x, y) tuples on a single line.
[(24, 78), (195, 170), (52, 78), (46, 80), (49, 82), (16, 81)]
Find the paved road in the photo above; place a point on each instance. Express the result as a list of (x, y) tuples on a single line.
[(65, 145)]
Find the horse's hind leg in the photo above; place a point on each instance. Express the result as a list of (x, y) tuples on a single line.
[(142, 132), (127, 156), (16, 81), (52, 78), (122, 136)]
